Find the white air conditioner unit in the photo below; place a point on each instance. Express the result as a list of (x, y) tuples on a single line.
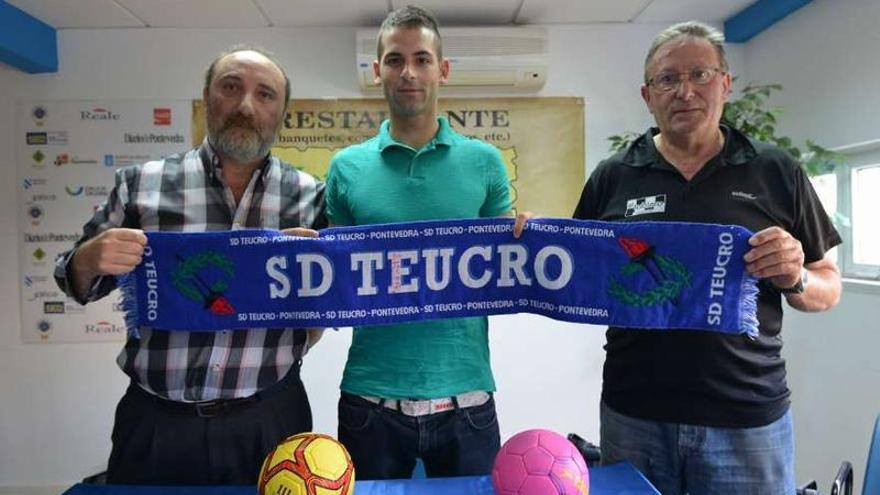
[(514, 58)]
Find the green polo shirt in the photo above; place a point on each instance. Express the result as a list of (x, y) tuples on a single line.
[(384, 181)]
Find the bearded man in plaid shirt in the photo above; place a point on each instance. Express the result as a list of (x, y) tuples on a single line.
[(205, 407)]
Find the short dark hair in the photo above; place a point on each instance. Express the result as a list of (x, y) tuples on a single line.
[(209, 74), (409, 17)]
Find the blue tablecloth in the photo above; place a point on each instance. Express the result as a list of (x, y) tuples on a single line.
[(619, 479)]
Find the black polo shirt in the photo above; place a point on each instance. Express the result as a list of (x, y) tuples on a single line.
[(696, 377)]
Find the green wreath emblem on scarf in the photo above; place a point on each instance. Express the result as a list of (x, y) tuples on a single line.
[(186, 279), (670, 275)]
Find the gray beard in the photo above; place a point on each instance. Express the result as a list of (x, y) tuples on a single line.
[(240, 150)]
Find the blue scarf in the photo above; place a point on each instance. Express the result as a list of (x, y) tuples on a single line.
[(653, 275)]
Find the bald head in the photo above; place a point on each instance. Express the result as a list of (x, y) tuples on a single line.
[(254, 53)]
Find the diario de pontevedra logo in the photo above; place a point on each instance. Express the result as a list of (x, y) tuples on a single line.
[(204, 278), (668, 275)]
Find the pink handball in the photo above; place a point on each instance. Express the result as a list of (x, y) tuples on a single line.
[(540, 462)]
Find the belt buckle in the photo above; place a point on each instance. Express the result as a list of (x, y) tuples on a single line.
[(415, 407), (421, 407), (209, 409)]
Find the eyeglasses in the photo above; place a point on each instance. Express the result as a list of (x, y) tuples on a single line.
[(668, 81)]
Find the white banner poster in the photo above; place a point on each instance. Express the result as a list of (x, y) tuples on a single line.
[(67, 153)]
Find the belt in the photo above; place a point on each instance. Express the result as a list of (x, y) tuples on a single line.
[(424, 407), (216, 407)]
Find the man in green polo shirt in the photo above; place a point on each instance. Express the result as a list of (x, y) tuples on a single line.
[(424, 389)]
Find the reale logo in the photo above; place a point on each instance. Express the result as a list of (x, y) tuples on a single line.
[(99, 114), (104, 327)]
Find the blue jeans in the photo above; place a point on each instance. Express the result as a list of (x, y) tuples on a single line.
[(384, 443), (698, 460)]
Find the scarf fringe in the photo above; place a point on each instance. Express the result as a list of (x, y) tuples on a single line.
[(127, 284), (748, 306)]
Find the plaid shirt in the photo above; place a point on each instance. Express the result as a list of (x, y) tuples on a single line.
[(188, 193)]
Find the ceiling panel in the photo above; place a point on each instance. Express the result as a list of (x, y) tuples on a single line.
[(579, 11), (63, 14), (197, 13), (286, 13), (467, 12), (714, 11), (79, 14)]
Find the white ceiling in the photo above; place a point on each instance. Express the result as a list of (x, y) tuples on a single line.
[(97, 14)]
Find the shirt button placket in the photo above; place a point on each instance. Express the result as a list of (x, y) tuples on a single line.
[(219, 355)]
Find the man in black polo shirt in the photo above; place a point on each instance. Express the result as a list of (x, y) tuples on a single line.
[(703, 412)]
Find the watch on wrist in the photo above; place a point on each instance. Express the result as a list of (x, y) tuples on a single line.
[(797, 288)]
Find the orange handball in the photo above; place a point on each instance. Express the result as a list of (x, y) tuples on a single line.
[(307, 464)]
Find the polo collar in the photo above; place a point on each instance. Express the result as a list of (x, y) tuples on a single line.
[(444, 135), (738, 149)]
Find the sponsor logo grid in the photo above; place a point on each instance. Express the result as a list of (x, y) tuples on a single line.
[(67, 152)]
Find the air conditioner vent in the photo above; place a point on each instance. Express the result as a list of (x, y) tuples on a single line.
[(508, 58), (471, 46)]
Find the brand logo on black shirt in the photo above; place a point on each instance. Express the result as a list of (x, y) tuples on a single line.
[(743, 195), (648, 204)]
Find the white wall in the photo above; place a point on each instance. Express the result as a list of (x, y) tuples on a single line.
[(826, 57)]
